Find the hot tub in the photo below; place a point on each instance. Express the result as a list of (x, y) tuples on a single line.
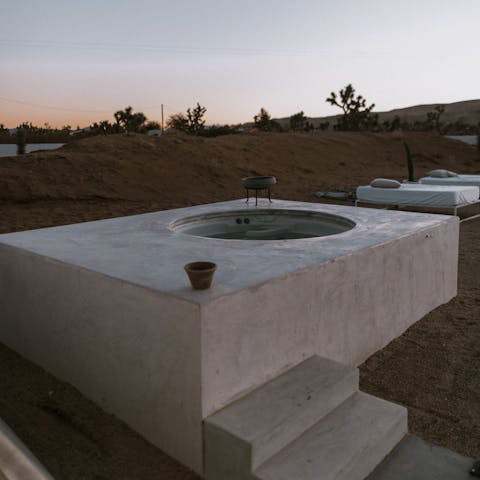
[(263, 224), (107, 305)]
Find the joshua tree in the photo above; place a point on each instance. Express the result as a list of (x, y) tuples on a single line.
[(128, 121), (356, 115), (192, 122), (195, 119)]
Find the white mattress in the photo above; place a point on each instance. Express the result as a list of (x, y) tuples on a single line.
[(419, 194), (461, 181)]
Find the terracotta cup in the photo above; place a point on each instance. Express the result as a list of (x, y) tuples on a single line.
[(200, 274)]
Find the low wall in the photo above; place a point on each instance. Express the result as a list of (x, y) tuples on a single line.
[(134, 352), (345, 310)]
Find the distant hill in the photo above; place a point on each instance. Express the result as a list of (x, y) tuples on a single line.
[(467, 111)]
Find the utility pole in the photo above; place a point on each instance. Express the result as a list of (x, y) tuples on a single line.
[(162, 117)]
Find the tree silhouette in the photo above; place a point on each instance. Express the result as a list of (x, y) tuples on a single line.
[(195, 119), (356, 115), (105, 128), (152, 126), (178, 121), (433, 118), (392, 125), (128, 121), (263, 121), (298, 121), (192, 123)]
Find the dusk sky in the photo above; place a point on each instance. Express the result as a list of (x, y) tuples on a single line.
[(67, 62)]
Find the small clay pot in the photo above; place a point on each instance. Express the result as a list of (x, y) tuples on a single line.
[(200, 274)]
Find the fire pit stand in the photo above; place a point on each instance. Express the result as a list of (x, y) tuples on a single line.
[(258, 183)]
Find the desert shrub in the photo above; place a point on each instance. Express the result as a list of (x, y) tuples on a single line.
[(297, 121), (217, 130), (263, 121), (34, 134)]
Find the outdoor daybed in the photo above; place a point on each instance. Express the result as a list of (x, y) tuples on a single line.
[(459, 180), (446, 199)]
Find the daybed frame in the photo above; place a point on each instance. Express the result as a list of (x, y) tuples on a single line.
[(463, 211)]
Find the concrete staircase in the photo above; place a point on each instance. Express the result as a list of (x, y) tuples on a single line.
[(310, 423)]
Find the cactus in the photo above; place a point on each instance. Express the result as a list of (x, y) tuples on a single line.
[(411, 177), (21, 140)]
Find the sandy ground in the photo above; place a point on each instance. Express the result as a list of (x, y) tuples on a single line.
[(433, 369)]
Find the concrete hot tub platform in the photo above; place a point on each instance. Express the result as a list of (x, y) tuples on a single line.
[(107, 306)]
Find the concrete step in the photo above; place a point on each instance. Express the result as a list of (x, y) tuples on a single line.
[(346, 445), (247, 432)]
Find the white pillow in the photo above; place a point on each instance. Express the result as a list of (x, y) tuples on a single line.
[(442, 173), (385, 183)]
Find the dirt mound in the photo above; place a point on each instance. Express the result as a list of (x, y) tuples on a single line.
[(178, 170)]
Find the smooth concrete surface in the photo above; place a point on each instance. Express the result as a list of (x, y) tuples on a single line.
[(107, 306), (17, 462), (346, 445), (254, 428), (129, 349), (415, 459), (143, 250)]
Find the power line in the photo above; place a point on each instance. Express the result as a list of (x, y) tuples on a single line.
[(63, 109), (151, 47), (46, 107), (194, 50)]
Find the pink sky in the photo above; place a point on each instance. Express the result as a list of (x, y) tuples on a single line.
[(74, 64)]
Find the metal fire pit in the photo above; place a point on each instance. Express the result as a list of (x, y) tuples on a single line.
[(258, 183)]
